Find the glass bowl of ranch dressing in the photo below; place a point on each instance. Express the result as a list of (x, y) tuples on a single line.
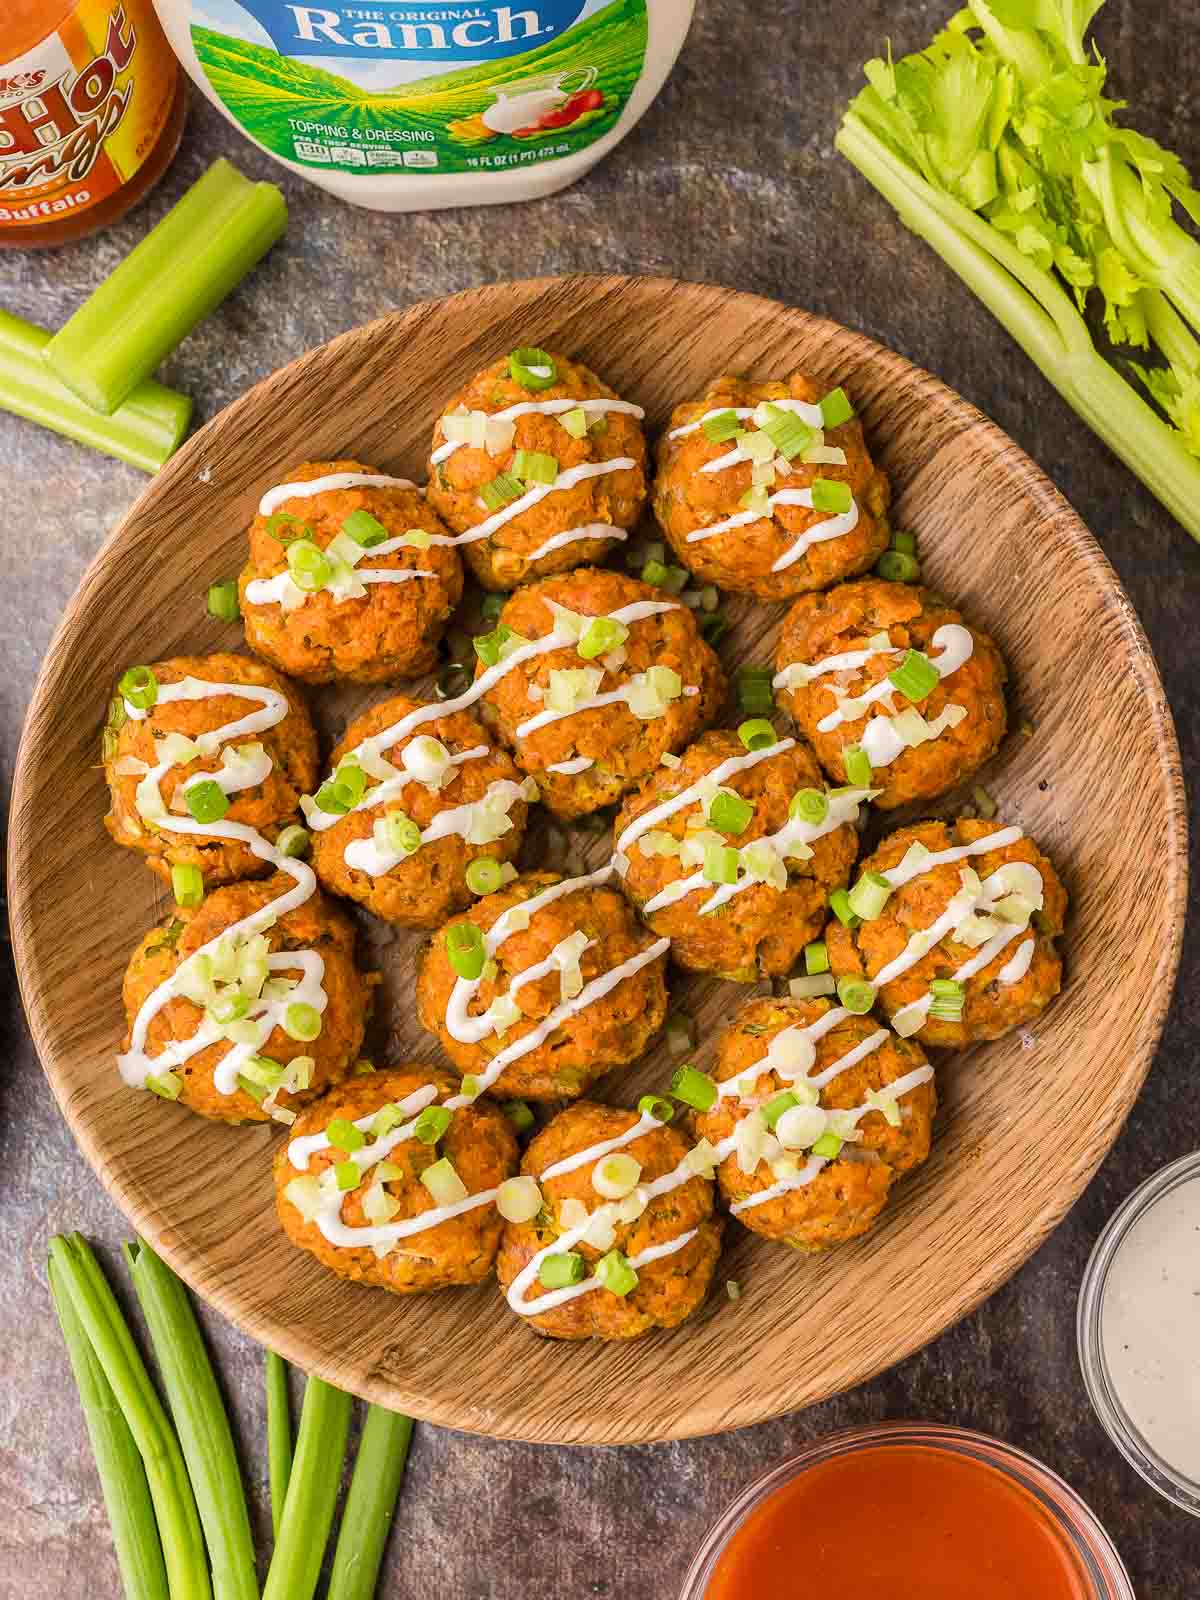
[(1138, 1326)]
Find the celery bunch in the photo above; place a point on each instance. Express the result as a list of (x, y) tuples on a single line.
[(998, 146)]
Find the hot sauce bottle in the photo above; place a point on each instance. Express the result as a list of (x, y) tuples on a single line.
[(92, 104)]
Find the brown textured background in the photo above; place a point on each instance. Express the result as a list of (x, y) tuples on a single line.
[(743, 189)]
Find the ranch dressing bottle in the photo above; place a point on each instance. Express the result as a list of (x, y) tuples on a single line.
[(410, 105)]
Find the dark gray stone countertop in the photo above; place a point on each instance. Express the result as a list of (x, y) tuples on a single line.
[(731, 177)]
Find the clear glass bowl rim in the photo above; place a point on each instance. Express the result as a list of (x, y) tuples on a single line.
[(1173, 1485), (1072, 1517)]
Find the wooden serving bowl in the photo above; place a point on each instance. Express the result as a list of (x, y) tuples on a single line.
[(1025, 1121)]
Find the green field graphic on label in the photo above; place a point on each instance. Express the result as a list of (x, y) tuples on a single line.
[(491, 115)]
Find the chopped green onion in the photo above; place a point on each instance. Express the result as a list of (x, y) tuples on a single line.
[(916, 677), (789, 433), (431, 1125), (117, 715), (279, 1436), (858, 766), (493, 605), (827, 1145), (308, 565), (948, 999), (485, 875), (757, 734), (256, 1091), (720, 863), (402, 834), (223, 601), (534, 466), (575, 422), (722, 426), (856, 995), (444, 1183), (187, 885), (830, 494), (206, 800), (293, 841), (139, 686), (821, 983), (984, 803), (302, 1022), (600, 636), (532, 368), (758, 500), (869, 896), (166, 1085), (343, 1135), (810, 806), (313, 1490), (349, 783), (653, 1105), (329, 800), (561, 1269), (905, 542), (519, 1114), (347, 1174), (502, 491), (694, 1088), (489, 647), (654, 573), (614, 1273), (145, 431), (365, 529), (279, 520), (370, 1504), (183, 268), (730, 813), (465, 950), (839, 904), (733, 1289), (680, 1034), (897, 566), (816, 957), (777, 1105), (836, 408), (754, 693)]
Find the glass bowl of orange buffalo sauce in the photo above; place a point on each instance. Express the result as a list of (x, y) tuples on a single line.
[(908, 1508)]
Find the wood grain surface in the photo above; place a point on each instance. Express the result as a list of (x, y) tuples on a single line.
[(1025, 1121)]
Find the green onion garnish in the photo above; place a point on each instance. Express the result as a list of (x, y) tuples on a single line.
[(810, 806), (906, 542), (431, 1125), (465, 950), (286, 528), (601, 635), (230, 1008), (293, 841), (827, 1145), (187, 885), (223, 601), (329, 800), (502, 491), (166, 1085), (754, 693), (534, 466), (365, 529), (948, 999), (856, 995), (777, 1105), (256, 1091), (916, 677), (532, 368), (561, 1270), (402, 833), (489, 647), (724, 425), (575, 422), (897, 566), (654, 573), (139, 686), (206, 800), (302, 1022), (349, 782), (653, 1105), (343, 1135), (519, 1114), (787, 432), (308, 565), (757, 734), (694, 1088), (984, 803), (614, 1273), (347, 1174), (816, 958), (117, 715), (858, 766), (720, 863), (493, 605), (729, 813), (484, 875), (830, 494), (836, 408), (869, 896), (839, 904)]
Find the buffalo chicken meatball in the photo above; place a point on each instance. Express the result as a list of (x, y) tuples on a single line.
[(892, 673), (958, 929), (161, 746), (278, 1014), (552, 976), (539, 467), (410, 1156), (407, 819), (723, 861), (354, 578), (604, 1258), (607, 674), (823, 1119), (767, 488)]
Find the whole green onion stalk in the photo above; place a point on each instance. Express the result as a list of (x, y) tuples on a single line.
[(312, 1493), (370, 1504), (279, 1437), (998, 146)]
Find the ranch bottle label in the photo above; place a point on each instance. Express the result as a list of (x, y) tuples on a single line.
[(422, 86), (81, 111)]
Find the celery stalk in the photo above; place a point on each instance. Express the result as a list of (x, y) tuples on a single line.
[(202, 1423), (181, 270), (370, 1504), (144, 431), (312, 1493), (122, 1475), (79, 1277), (279, 1436)]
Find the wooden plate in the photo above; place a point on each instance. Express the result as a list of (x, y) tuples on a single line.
[(1026, 1120)]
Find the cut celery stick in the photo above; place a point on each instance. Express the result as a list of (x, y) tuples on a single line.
[(182, 270), (145, 431)]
